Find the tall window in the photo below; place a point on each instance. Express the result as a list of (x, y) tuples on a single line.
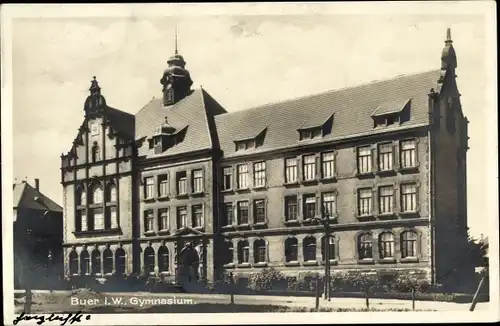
[(227, 178), (408, 153), (309, 167), (181, 183), (111, 195), (291, 249), (96, 261), (149, 187), (163, 185), (328, 165), (291, 208), (386, 245), (197, 181), (84, 262), (197, 215), (163, 259), (259, 211), (113, 217), (243, 252), (120, 261), (259, 251), (242, 176), (83, 220), (408, 197), (97, 217), (309, 206), (108, 261), (365, 202), (149, 260), (81, 197), (181, 217), (97, 194), (148, 221), (163, 217), (364, 159), (228, 214), (329, 208), (408, 244), (309, 248), (259, 174), (243, 212), (331, 248), (385, 158), (291, 170), (96, 152), (73, 263), (386, 199), (365, 249), (228, 257)]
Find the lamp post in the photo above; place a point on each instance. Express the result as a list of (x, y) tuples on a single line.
[(326, 226)]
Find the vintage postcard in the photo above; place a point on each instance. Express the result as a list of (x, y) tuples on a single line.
[(249, 163)]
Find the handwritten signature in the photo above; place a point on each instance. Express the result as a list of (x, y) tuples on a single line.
[(63, 318)]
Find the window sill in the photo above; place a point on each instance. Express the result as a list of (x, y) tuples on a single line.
[(310, 263), (148, 200), (92, 232), (182, 196), (366, 261), (149, 233), (226, 190), (244, 265), (332, 262), (387, 261), (228, 227), (165, 231), (262, 264), (230, 265), (310, 181), (363, 175), (197, 194), (199, 228), (163, 198), (257, 188), (292, 263), (80, 207), (242, 189), (243, 226), (260, 224), (291, 184), (409, 260), (329, 179), (370, 217), (292, 222), (387, 216), (386, 172), (409, 169), (165, 273)]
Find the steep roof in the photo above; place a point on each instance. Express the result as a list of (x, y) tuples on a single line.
[(122, 122), (195, 112), (25, 196), (351, 109)]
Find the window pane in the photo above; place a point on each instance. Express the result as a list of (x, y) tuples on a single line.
[(364, 159), (408, 153), (365, 202), (385, 157), (291, 208), (259, 174), (291, 170), (386, 200), (329, 208), (408, 197), (328, 165), (309, 167), (242, 176)]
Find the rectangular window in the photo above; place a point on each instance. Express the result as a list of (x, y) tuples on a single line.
[(386, 199), (181, 217), (261, 254), (408, 154), (385, 158), (309, 206), (228, 214), (163, 185), (98, 218), (291, 208), (149, 187), (163, 219), (309, 167), (240, 146), (83, 218), (259, 211), (328, 165), (408, 198), (291, 170), (364, 202), (197, 181), (113, 217), (227, 178), (197, 215), (242, 176), (364, 159), (329, 208), (181, 183), (243, 212), (148, 221), (259, 174)]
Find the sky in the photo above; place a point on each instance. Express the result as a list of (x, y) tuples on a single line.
[(241, 60)]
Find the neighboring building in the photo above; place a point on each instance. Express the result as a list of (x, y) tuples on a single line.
[(203, 191), (37, 237)]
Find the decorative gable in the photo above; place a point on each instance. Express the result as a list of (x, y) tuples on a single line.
[(392, 112)]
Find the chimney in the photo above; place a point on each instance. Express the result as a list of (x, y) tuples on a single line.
[(37, 184)]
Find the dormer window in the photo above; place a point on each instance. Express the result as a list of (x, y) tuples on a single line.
[(311, 134), (245, 144), (391, 113), (316, 127), (164, 137), (249, 142)]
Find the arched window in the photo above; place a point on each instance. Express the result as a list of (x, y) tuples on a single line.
[(108, 261), (96, 152), (291, 249), (149, 260), (111, 193), (259, 251), (243, 252), (96, 194), (386, 245), (163, 259), (331, 248), (408, 244), (84, 262), (309, 248), (73, 263), (120, 261), (365, 248), (96, 261)]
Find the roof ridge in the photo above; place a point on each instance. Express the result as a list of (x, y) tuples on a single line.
[(331, 91), (202, 91)]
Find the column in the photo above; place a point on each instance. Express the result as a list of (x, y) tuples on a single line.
[(235, 251), (250, 250), (300, 248)]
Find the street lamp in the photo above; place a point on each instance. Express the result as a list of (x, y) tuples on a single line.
[(326, 226)]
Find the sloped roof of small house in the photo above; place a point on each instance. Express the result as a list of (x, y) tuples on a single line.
[(26, 196)]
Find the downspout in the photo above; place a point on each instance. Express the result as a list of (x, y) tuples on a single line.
[(432, 179)]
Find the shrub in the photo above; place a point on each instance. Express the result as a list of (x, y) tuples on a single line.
[(265, 279)]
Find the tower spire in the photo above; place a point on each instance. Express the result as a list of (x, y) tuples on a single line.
[(448, 56), (448, 36)]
